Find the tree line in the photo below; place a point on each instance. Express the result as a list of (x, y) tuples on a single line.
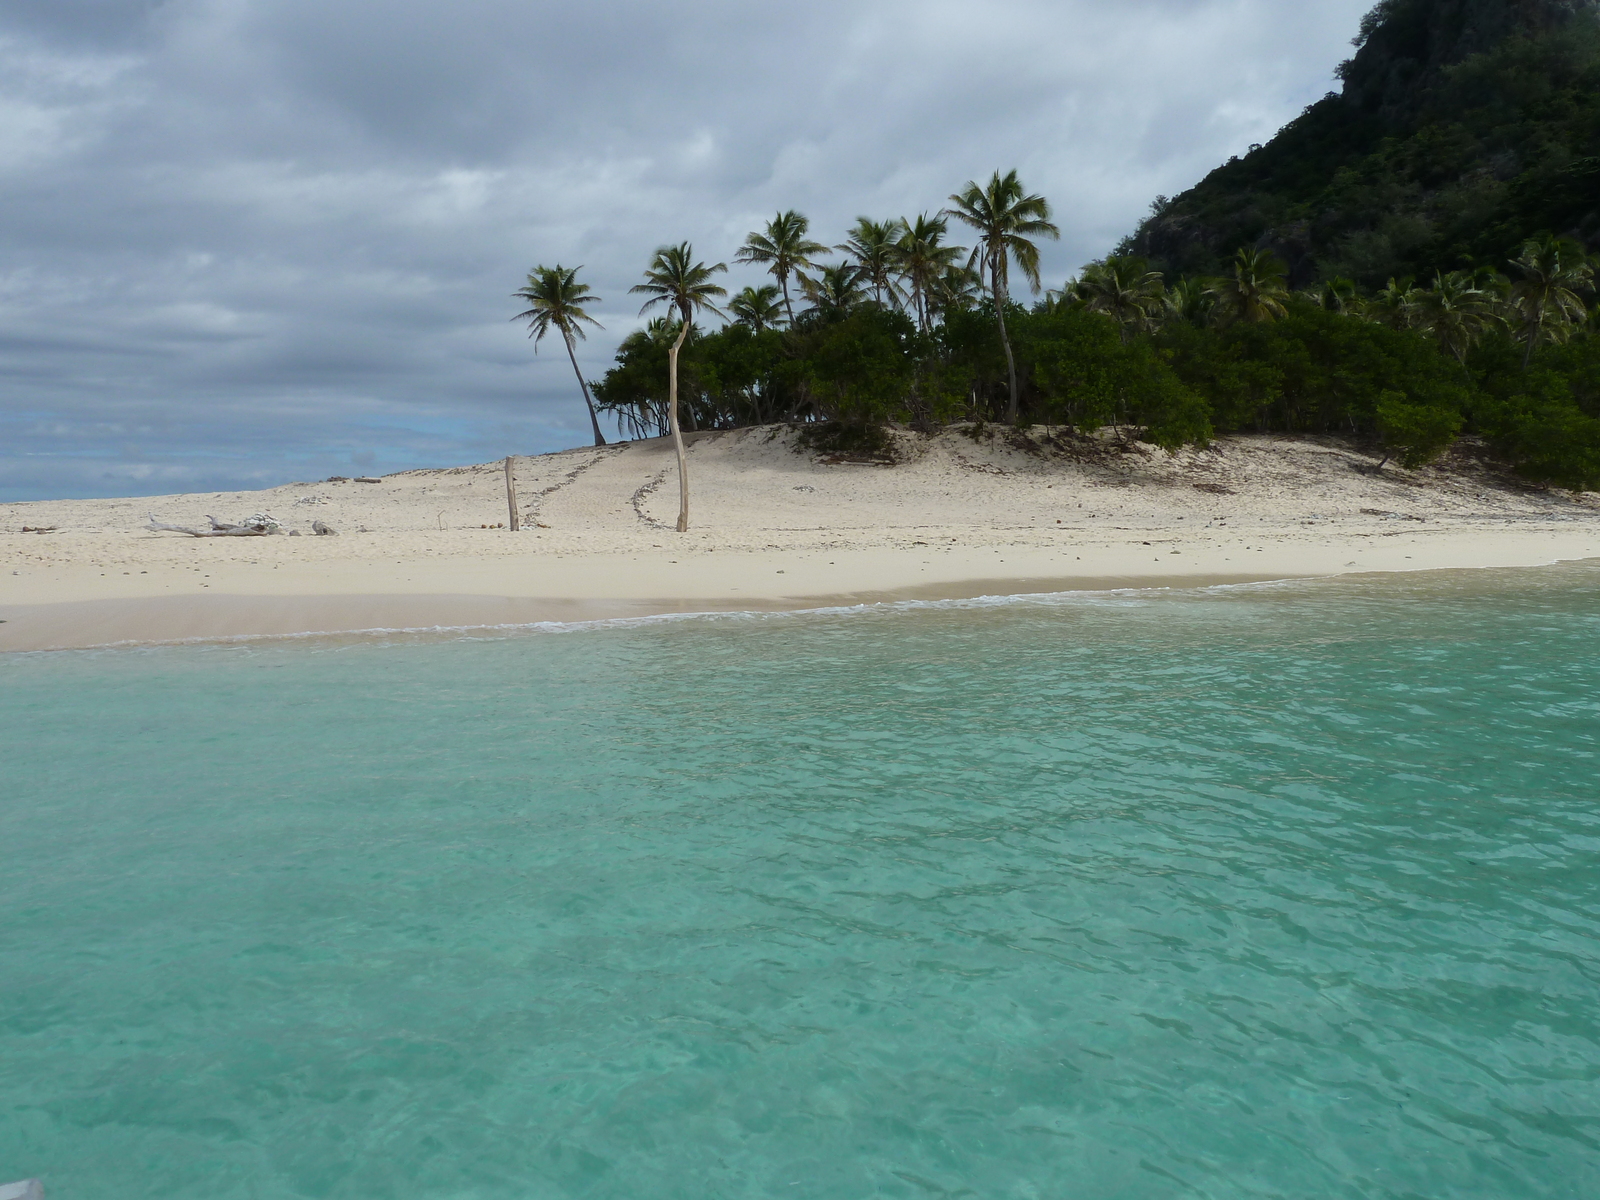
[(906, 326)]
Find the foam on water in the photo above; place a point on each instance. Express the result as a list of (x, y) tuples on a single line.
[(1260, 891)]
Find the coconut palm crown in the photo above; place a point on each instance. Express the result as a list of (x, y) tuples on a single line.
[(1545, 300), (922, 259), (1456, 311), (1256, 291), (757, 308), (875, 246), (1007, 220), (556, 300), (783, 249), (1125, 289), (834, 290)]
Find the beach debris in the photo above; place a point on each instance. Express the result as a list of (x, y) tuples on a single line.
[(338, 479), (323, 529), (365, 479), (38, 529), (1391, 516), (1216, 489), (258, 525), (805, 487)]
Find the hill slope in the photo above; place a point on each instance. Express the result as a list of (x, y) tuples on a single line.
[(1463, 127)]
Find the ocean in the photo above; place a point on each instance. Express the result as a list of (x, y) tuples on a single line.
[(1283, 890)]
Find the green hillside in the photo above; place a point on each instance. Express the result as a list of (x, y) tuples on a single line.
[(1464, 127)]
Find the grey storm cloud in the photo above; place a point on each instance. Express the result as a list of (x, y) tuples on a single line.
[(249, 241)]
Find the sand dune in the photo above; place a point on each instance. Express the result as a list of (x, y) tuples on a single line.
[(772, 527)]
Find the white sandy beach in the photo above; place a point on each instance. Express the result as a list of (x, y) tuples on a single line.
[(771, 529)]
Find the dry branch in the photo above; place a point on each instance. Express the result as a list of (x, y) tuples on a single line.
[(257, 526)]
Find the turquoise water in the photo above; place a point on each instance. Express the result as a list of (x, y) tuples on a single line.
[(1276, 892)]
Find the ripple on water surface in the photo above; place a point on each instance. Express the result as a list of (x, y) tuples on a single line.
[(1285, 891)]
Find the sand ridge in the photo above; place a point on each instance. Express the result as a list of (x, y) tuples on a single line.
[(772, 525)]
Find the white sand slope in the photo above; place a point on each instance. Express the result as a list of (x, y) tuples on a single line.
[(770, 528)]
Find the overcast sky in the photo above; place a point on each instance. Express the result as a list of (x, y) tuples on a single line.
[(244, 242)]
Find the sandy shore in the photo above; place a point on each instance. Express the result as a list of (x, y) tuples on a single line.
[(772, 529)]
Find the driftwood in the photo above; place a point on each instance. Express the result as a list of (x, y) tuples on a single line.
[(257, 526), (323, 529)]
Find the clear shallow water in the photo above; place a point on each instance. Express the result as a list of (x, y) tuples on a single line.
[(1285, 892)]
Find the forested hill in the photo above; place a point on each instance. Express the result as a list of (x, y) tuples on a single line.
[(1463, 128)]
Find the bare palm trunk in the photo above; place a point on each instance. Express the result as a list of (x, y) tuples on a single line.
[(677, 433), (511, 497), (787, 307), (998, 290), (1533, 335), (599, 439)]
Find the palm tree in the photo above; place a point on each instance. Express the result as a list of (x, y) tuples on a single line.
[(1545, 300), (1394, 305), (1125, 289), (875, 246), (556, 299), (1256, 292), (1187, 300), (757, 308), (673, 278), (1455, 311), (1336, 295), (1007, 219), (834, 290), (958, 289), (783, 249), (922, 260)]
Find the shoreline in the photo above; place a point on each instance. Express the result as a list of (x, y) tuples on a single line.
[(773, 531), (133, 622)]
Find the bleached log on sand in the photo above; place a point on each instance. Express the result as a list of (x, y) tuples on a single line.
[(217, 529)]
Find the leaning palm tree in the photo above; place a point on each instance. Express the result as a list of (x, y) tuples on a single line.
[(556, 299), (1545, 300), (673, 278), (1125, 289), (1257, 291), (1456, 311), (783, 249), (875, 247), (757, 308), (922, 259), (1007, 220)]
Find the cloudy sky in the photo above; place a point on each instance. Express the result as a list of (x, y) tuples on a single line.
[(244, 242)]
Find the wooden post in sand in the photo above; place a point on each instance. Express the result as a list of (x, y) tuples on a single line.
[(511, 496)]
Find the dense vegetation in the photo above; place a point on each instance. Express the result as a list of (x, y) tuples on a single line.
[(1497, 339), (1512, 359), (1464, 127)]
